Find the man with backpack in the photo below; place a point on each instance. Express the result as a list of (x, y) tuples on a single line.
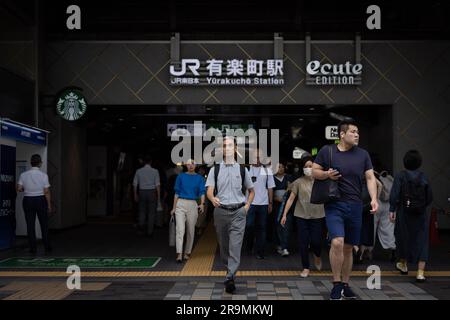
[(226, 182), (410, 196)]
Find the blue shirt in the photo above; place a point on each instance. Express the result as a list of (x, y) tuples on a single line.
[(189, 186), (351, 164)]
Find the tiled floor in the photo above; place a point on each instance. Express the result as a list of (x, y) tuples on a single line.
[(314, 288), (201, 277)]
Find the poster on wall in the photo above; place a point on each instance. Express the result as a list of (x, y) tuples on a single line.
[(7, 195)]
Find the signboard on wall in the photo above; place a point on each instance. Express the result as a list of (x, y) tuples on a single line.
[(15, 131), (71, 105), (331, 133), (7, 195), (232, 72), (328, 73), (193, 131)]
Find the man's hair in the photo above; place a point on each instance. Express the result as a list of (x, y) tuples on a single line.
[(148, 159), (343, 125), (412, 160), (230, 138), (35, 160)]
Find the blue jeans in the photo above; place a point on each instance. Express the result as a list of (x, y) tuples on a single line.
[(256, 222)]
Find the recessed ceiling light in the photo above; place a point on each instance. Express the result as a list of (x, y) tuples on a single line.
[(312, 109), (133, 127), (120, 119), (104, 109)]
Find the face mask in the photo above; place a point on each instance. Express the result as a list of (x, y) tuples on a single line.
[(307, 172)]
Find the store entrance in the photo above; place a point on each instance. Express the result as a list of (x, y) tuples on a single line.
[(119, 136)]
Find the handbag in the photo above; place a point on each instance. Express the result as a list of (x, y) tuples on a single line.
[(324, 191), (172, 231)]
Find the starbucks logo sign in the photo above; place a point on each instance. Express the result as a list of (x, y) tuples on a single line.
[(71, 105)]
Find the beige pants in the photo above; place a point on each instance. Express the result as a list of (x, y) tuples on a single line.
[(186, 214)]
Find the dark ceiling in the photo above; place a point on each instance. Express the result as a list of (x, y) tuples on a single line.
[(243, 19)]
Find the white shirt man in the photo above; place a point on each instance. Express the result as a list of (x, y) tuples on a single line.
[(36, 201)]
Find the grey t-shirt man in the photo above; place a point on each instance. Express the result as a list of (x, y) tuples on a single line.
[(229, 183)]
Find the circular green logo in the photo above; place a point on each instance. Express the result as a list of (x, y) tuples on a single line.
[(71, 105)]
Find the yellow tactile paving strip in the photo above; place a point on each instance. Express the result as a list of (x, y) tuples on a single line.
[(202, 258), (255, 273), (46, 290)]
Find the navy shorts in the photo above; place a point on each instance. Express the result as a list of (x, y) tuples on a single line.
[(344, 219)]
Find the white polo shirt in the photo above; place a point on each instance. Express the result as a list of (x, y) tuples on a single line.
[(262, 176), (33, 182)]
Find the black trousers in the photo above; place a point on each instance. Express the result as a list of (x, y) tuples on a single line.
[(309, 233), (33, 206)]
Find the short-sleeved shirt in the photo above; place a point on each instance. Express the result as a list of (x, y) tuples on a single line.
[(261, 177), (147, 178), (229, 183), (33, 182), (190, 186), (281, 185), (302, 188), (351, 164)]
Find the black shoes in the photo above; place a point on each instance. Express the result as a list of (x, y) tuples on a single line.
[(347, 292), (342, 291), (336, 292), (229, 286)]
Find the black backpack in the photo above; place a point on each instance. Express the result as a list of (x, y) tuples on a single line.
[(216, 174), (414, 194)]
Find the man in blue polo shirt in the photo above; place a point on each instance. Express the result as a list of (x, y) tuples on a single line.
[(350, 165)]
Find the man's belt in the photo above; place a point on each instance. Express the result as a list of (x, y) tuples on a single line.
[(231, 207)]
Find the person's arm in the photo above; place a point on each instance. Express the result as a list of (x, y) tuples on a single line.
[(202, 194), (210, 194), (270, 192), (287, 207), (210, 185), (394, 197), (19, 186), (372, 187), (251, 195), (135, 187), (320, 174), (202, 203), (48, 198), (271, 185), (158, 186), (379, 188), (158, 192)]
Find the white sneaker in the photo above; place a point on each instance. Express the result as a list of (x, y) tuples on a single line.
[(279, 250), (285, 253), (402, 267), (318, 264), (305, 273), (420, 278)]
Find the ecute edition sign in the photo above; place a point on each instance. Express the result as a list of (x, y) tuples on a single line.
[(234, 72), (333, 74)]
